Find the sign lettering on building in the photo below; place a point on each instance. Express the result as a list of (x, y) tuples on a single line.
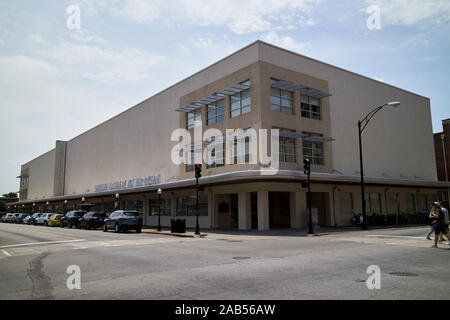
[(128, 184)]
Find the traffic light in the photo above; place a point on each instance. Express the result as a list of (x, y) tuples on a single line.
[(198, 170), (306, 166)]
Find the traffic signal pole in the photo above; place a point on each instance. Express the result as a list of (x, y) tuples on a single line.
[(198, 171), (307, 171)]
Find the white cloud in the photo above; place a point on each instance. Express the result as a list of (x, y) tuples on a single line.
[(412, 12), (37, 38), (285, 42), (96, 62), (238, 16)]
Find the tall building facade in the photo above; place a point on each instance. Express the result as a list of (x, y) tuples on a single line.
[(312, 105)]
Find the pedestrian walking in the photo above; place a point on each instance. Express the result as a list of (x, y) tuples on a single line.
[(439, 222), (444, 236), (431, 218)]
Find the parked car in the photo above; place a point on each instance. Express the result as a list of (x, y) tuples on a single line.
[(27, 219), (55, 220), (2, 214), (92, 219), (13, 218), (7, 217), (71, 218), (43, 219), (122, 221), (33, 217), (21, 217)]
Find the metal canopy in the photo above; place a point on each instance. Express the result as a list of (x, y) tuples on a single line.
[(284, 85), (293, 135), (318, 139), (214, 97)]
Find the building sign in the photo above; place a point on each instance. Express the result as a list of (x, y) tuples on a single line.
[(130, 183)]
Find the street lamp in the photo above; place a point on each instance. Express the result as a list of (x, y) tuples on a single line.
[(65, 206), (361, 126), (47, 206), (23, 208), (34, 207), (116, 205), (159, 208)]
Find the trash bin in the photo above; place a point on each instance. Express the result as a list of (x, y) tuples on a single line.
[(177, 225)]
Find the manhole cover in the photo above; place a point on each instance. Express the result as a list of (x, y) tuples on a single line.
[(403, 274), (241, 258)]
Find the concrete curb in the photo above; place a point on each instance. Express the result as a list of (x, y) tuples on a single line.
[(181, 235)]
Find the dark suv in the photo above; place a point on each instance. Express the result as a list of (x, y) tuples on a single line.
[(92, 220), (72, 219), (123, 220)]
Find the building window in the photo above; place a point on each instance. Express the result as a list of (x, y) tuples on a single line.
[(194, 149), (186, 206), (166, 207), (410, 203), (240, 102), (345, 203), (217, 154), (373, 203), (242, 155), (392, 203), (425, 201), (137, 205), (313, 150), (282, 100), (194, 119), (310, 107), (287, 148), (215, 112), (108, 207)]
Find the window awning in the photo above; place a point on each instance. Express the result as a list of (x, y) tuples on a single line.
[(284, 85), (304, 136), (318, 139), (214, 97)]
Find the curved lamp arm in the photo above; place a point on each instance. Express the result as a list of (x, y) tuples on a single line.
[(363, 123)]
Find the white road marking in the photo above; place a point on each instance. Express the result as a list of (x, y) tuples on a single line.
[(39, 243), (389, 236), (6, 253)]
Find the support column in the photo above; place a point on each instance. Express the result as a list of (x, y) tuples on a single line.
[(263, 210), (173, 207), (211, 206), (145, 209), (244, 207), (298, 209)]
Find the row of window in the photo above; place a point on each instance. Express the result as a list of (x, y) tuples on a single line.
[(185, 206), (240, 103), (287, 152), (373, 202)]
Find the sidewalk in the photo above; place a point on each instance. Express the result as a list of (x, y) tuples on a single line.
[(221, 233)]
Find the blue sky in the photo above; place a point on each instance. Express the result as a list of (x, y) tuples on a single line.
[(57, 82)]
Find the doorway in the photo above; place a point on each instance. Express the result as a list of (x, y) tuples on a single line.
[(279, 210)]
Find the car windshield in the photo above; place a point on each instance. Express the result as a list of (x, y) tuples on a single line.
[(79, 214)]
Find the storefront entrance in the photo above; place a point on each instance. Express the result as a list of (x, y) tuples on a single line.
[(279, 210), (228, 211)]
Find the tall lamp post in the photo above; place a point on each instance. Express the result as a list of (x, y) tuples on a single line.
[(34, 207), (65, 206), (361, 126), (159, 208), (47, 206)]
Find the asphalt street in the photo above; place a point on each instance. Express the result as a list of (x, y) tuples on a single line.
[(222, 265)]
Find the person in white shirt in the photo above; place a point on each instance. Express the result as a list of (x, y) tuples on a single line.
[(445, 233)]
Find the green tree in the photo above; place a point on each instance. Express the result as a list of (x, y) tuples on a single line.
[(3, 206), (10, 195)]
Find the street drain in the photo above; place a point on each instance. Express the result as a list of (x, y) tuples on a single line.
[(241, 258), (403, 274)]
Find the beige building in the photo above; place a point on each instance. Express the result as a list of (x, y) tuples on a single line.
[(316, 106)]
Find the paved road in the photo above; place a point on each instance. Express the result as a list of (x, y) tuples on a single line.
[(33, 263)]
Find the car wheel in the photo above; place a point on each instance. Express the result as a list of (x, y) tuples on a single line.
[(138, 230), (116, 228), (105, 229)]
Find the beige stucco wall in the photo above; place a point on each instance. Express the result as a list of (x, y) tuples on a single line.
[(41, 175)]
